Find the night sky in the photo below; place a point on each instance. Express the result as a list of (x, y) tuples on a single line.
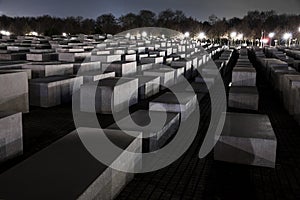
[(199, 9)]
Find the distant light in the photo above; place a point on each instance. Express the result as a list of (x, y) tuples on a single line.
[(163, 36), (265, 40), (201, 36), (240, 36), (138, 35), (233, 34), (187, 34), (144, 34), (287, 36), (33, 33), (128, 35), (6, 33), (65, 34), (299, 29), (271, 35)]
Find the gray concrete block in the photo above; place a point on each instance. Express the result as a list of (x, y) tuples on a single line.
[(110, 95), (247, 139), (244, 76), (166, 76), (185, 105), (45, 69), (11, 135), (153, 137), (68, 162), (89, 77), (243, 97), (121, 68), (86, 66), (52, 91), (148, 86), (14, 91)]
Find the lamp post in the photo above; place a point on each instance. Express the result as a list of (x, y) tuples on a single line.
[(233, 36), (271, 35), (299, 34), (287, 37)]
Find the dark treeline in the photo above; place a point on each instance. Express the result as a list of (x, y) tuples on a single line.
[(250, 25)]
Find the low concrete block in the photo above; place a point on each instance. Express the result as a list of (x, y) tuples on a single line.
[(14, 91), (52, 91), (68, 162), (11, 135), (109, 95), (185, 104), (243, 97), (153, 137), (247, 139)]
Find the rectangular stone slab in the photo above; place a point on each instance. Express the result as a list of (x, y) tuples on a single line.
[(106, 58), (14, 91), (169, 102), (187, 64), (243, 97), (147, 60), (11, 135), (112, 95), (45, 69), (39, 57), (244, 76), (148, 86), (89, 77), (159, 135), (166, 77), (52, 91), (86, 66), (291, 83), (121, 68), (247, 139), (67, 170)]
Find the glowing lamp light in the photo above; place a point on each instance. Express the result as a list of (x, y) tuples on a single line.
[(265, 40), (65, 34), (144, 34), (127, 35), (201, 36), (233, 34), (6, 33), (271, 35), (287, 36), (240, 36), (33, 33), (163, 36), (187, 34)]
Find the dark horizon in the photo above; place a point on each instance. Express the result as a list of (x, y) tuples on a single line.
[(199, 10)]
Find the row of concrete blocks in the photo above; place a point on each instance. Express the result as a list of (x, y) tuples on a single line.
[(246, 138), (97, 181), (243, 93)]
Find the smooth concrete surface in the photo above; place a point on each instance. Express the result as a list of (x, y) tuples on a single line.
[(153, 137), (185, 104), (14, 91), (11, 135), (247, 139), (110, 95), (243, 97), (67, 170)]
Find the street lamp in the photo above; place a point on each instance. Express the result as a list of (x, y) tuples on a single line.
[(6, 33), (287, 37), (127, 35), (186, 34), (271, 35), (144, 34), (201, 36), (233, 36)]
